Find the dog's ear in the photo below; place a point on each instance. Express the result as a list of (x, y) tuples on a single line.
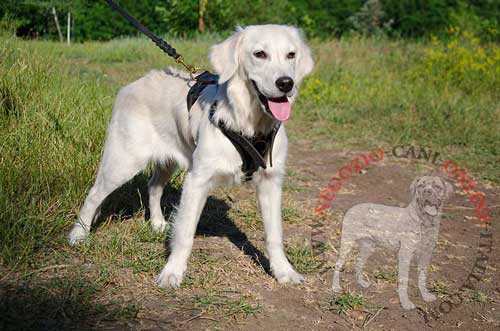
[(447, 186), (413, 186), (225, 56), (305, 63)]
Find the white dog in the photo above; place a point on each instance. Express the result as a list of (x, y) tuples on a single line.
[(260, 69)]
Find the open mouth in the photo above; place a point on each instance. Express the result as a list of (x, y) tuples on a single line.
[(279, 108), (431, 208)]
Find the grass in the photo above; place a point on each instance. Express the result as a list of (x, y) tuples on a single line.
[(232, 303), (444, 291), (388, 276), (480, 297), (60, 303), (441, 288), (55, 103), (303, 259), (347, 302)]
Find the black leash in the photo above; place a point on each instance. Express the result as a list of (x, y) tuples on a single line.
[(162, 44)]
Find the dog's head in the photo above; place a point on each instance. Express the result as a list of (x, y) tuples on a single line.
[(273, 59), (430, 193)]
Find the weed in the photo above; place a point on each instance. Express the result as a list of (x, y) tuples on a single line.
[(389, 276), (347, 302), (441, 288), (303, 259), (478, 296), (226, 304)]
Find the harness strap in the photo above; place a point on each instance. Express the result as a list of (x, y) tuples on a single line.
[(252, 151), (202, 81)]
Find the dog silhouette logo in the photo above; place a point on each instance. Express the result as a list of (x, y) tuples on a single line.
[(412, 231)]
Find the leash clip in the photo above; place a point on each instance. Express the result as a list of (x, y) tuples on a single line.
[(190, 68), (162, 44)]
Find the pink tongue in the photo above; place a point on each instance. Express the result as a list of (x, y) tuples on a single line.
[(280, 110)]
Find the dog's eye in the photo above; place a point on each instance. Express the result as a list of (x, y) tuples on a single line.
[(260, 55), (290, 55)]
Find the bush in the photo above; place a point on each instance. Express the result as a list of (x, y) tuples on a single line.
[(9, 25), (94, 20), (371, 19), (462, 61)]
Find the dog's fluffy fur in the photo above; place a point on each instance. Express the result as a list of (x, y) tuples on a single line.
[(412, 230), (150, 123)]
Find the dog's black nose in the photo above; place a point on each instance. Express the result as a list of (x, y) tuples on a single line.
[(284, 84)]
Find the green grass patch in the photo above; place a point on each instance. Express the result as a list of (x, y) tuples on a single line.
[(388, 276), (347, 302), (228, 304), (70, 301), (441, 288), (303, 259)]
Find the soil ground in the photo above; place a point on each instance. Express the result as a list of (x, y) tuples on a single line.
[(228, 285)]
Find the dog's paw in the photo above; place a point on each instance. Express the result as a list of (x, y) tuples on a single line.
[(169, 277), (364, 283), (337, 288), (407, 304), (291, 276), (77, 235), (428, 297), (336, 282), (158, 225)]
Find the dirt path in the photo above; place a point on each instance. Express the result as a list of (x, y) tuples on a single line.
[(311, 306), (387, 182)]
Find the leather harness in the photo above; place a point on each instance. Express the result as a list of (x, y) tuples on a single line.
[(252, 150)]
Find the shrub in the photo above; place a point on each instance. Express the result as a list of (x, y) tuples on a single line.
[(462, 61), (94, 20)]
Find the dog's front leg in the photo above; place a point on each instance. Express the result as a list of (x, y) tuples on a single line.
[(269, 196), (194, 196), (404, 257), (423, 262)]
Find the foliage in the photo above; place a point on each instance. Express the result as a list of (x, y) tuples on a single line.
[(91, 20), (9, 25), (94, 20), (370, 19), (346, 302), (463, 62), (483, 22)]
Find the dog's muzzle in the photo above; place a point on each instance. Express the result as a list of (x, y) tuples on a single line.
[(278, 108), (429, 202)]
